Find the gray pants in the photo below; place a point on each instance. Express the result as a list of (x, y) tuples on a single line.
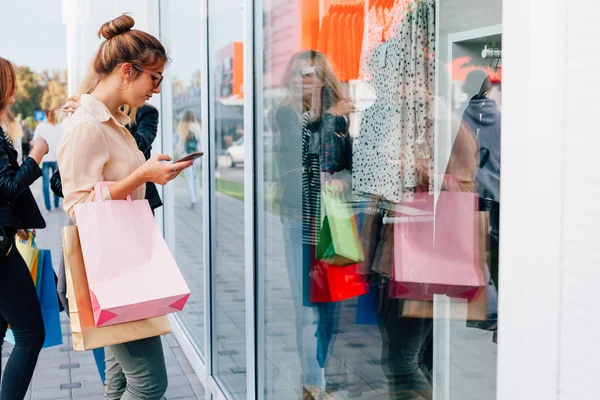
[(136, 370)]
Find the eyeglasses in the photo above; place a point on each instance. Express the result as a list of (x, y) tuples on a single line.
[(154, 75)]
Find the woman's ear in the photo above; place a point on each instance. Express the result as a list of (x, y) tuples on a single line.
[(127, 72)]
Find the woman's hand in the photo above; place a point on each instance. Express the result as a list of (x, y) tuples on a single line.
[(157, 171), (336, 187), (71, 105), (22, 234), (342, 108), (39, 148)]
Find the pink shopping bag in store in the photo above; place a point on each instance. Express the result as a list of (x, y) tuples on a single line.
[(439, 253), (131, 273)]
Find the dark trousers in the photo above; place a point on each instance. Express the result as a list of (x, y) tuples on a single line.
[(19, 308)]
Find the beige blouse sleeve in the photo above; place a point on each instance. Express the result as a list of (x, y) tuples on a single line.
[(82, 156)]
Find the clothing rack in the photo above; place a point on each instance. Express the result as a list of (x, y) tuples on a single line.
[(493, 53), (398, 220)]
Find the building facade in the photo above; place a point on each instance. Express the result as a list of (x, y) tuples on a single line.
[(371, 128)]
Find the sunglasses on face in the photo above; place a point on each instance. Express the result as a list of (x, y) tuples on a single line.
[(154, 75)]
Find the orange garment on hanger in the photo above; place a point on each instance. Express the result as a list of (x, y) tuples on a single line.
[(340, 38), (332, 44), (324, 34)]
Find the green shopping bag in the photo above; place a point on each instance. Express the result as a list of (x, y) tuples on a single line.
[(339, 243)]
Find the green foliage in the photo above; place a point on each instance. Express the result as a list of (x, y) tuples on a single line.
[(38, 91)]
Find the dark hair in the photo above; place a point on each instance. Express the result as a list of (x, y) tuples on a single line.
[(8, 83), (126, 45)]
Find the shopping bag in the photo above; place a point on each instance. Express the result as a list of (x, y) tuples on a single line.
[(46, 288), (85, 334), (49, 300), (132, 275), (339, 242), (439, 254), (478, 309), (30, 254), (332, 283)]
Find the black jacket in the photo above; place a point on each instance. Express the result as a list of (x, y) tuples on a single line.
[(18, 208), (484, 119), (144, 131)]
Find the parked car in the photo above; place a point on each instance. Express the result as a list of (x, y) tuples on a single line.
[(235, 152)]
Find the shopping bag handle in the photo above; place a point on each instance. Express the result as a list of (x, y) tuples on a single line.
[(98, 190), (30, 240)]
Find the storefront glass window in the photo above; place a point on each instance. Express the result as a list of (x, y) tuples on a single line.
[(180, 32), (226, 66), (381, 178)]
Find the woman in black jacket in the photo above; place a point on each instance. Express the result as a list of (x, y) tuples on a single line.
[(19, 305)]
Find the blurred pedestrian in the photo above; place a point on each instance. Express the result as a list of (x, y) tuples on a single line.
[(51, 131), (188, 141)]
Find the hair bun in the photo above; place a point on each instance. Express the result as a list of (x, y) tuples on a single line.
[(117, 26)]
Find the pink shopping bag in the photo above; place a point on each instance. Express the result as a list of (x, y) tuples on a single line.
[(131, 273), (438, 254)]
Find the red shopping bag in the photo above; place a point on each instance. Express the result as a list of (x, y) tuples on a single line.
[(439, 254), (331, 283)]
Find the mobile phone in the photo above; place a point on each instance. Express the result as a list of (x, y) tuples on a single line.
[(191, 157)]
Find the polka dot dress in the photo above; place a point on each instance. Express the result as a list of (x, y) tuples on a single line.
[(395, 147)]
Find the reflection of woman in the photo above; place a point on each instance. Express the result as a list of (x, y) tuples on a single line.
[(189, 134), (310, 116)]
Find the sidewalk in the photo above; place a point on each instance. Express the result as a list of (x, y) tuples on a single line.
[(62, 373)]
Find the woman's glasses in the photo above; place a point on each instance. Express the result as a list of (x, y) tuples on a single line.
[(154, 75)]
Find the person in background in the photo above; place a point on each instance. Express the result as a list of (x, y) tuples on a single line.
[(97, 147), (52, 132), (19, 304), (27, 137), (13, 129), (189, 133)]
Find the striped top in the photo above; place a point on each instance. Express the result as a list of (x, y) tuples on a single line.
[(311, 185), (325, 149)]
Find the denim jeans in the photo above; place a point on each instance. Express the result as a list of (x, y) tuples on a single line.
[(306, 318), (191, 177), (19, 308), (46, 174)]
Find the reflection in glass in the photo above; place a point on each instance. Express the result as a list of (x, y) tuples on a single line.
[(181, 32), (381, 191), (227, 128)]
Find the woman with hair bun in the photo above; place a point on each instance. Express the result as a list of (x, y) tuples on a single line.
[(96, 147)]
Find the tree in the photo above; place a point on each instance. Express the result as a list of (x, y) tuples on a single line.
[(54, 94), (29, 92)]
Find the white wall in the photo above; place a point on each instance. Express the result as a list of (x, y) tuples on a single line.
[(580, 258)]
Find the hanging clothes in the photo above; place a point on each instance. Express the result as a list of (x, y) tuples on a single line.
[(340, 39), (324, 34), (394, 152)]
